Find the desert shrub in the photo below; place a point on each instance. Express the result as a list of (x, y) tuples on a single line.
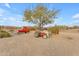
[(4, 34), (54, 30), (11, 30)]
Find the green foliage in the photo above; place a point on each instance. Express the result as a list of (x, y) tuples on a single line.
[(54, 30), (4, 34), (62, 27), (40, 16), (18, 27)]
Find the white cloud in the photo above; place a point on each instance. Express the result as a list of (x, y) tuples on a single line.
[(76, 19), (2, 12), (9, 18), (7, 5), (5, 15), (13, 21), (57, 21), (76, 16)]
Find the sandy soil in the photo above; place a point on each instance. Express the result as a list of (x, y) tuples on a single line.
[(64, 44)]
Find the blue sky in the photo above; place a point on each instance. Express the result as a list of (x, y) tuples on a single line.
[(11, 14)]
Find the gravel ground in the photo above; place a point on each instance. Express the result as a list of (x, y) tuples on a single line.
[(64, 44)]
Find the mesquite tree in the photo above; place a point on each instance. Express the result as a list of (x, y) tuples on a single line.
[(40, 16)]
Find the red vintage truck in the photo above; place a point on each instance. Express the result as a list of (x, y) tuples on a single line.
[(24, 30)]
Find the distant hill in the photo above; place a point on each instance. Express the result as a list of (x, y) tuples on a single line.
[(13, 27)]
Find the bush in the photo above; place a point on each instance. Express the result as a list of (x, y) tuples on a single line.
[(54, 30), (4, 34)]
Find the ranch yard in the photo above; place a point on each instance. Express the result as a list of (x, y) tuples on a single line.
[(66, 43)]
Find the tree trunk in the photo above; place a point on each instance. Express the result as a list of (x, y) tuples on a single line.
[(40, 27)]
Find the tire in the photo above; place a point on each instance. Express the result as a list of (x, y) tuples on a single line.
[(36, 34), (25, 32)]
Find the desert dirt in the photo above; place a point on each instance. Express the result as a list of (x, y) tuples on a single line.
[(64, 44)]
